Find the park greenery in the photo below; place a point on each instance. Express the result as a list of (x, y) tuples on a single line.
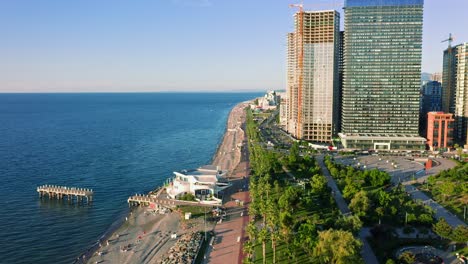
[(295, 218), (374, 200), (450, 189), (187, 197), (458, 234)]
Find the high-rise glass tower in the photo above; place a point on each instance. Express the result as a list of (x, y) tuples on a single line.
[(313, 76), (455, 87), (382, 74)]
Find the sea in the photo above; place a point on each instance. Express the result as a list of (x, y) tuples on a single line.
[(117, 144)]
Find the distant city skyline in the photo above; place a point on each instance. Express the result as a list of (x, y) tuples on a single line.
[(170, 45)]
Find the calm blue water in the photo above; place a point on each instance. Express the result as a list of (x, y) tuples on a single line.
[(116, 144)]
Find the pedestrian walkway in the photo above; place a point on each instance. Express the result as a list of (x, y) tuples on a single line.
[(229, 234), (340, 202), (440, 211), (367, 254)]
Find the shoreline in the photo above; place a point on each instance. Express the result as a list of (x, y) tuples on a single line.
[(227, 156), (84, 257), (229, 150)]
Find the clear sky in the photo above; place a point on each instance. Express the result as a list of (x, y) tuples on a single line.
[(169, 45)]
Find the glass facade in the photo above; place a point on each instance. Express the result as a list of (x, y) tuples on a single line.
[(382, 67), (356, 3), (455, 89), (431, 101)]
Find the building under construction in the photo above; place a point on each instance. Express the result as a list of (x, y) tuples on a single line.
[(312, 76)]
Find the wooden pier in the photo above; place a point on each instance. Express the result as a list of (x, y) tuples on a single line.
[(69, 193)]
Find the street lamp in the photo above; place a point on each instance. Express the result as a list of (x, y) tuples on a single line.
[(464, 214)]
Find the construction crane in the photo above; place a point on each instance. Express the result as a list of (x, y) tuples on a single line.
[(449, 40), (300, 20)]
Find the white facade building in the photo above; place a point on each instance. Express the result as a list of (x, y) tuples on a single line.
[(205, 183)]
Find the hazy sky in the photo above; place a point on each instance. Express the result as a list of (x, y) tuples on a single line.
[(154, 45)]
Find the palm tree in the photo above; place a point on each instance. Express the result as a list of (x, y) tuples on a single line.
[(272, 223), (248, 249), (263, 237)]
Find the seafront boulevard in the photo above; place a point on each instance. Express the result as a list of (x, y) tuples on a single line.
[(150, 236)]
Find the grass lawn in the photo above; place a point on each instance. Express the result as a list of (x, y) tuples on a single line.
[(281, 255), (197, 211)]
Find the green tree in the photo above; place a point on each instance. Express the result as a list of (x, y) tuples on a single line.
[(290, 199), (390, 261), (293, 157), (248, 249), (384, 198), (360, 203), (337, 246), (334, 172), (407, 258), (425, 219), (350, 190), (460, 234), (442, 228), (273, 223), (307, 236), (411, 218), (318, 184), (349, 223), (286, 222), (187, 197), (263, 238), (447, 188), (380, 211), (376, 178), (252, 231)]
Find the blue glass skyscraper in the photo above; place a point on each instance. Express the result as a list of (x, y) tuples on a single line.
[(382, 74)]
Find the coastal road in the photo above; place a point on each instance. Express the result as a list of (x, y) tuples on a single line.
[(367, 254)]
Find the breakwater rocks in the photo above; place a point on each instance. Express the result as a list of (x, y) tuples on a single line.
[(185, 249)]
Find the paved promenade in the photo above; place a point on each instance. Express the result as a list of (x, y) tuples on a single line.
[(229, 235)]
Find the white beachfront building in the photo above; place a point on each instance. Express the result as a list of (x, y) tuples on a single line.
[(205, 183)]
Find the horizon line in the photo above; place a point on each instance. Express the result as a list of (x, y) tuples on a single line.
[(142, 92)]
